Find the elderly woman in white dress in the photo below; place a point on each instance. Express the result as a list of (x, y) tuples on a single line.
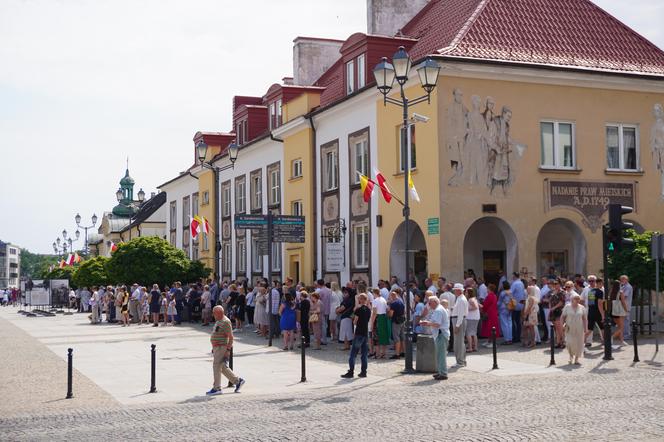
[(575, 322)]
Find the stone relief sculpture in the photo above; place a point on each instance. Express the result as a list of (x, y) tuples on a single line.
[(657, 143), (457, 130), (479, 144)]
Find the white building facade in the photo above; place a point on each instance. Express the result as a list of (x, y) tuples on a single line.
[(10, 265)]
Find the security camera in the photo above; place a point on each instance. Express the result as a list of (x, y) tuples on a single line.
[(420, 118)]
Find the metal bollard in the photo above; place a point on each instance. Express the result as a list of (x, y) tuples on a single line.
[(303, 360), (553, 346), (230, 364), (495, 348), (70, 372), (153, 372), (635, 330), (608, 356)]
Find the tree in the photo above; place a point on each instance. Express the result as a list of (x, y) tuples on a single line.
[(34, 265), (92, 272), (637, 263), (149, 260), (197, 270)]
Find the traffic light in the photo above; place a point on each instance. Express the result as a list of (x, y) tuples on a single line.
[(615, 234)]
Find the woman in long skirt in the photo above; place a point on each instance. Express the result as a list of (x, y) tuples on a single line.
[(575, 324)]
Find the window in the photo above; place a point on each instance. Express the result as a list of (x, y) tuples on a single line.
[(296, 208), (361, 246), (206, 247), (331, 179), (185, 242), (279, 112), (276, 256), (296, 168), (622, 147), (361, 160), (275, 185), (206, 198), (350, 77), (194, 212), (226, 199), (241, 256), (256, 191), (413, 149), (186, 212), (173, 238), (256, 257), (173, 216), (226, 258), (240, 195), (241, 132), (557, 145), (361, 71), (273, 115)]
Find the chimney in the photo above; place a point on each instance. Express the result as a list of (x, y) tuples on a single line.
[(387, 17), (287, 81), (312, 57)]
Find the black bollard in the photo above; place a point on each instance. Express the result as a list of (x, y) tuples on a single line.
[(304, 368), (635, 330), (495, 348), (607, 337), (552, 336), (230, 364), (70, 372), (153, 372)]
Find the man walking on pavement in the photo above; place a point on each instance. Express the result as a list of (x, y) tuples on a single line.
[(222, 343), (439, 321), (360, 343), (460, 311)]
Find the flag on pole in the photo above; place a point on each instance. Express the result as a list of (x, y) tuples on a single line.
[(70, 260), (380, 179), (77, 258), (413, 190), (367, 187), (113, 247), (62, 264), (206, 225), (194, 225)]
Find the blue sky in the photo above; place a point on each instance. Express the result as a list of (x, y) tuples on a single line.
[(84, 84)]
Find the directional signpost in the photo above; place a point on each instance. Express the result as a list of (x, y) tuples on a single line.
[(274, 228)]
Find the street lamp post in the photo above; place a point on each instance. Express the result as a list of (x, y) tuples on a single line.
[(201, 153), (77, 218), (385, 74)]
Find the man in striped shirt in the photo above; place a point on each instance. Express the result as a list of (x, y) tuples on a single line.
[(222, 343)]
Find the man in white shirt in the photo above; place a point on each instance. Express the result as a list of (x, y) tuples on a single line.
[(448, 296), (438, 321), (382, 328), (134, 304), (459, 312), (94, 302), (394, 281), (628, 293), (384, 291)]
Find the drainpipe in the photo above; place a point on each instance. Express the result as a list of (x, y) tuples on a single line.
[(310, 117), (217, 221)]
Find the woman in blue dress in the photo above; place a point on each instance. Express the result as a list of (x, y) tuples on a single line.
[(287, 322), (505, 313)]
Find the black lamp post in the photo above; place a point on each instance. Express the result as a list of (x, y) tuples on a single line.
[(385, 73), (201, 153), (77, 218)]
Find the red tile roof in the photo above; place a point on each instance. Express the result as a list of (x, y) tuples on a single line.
[(565, 33)]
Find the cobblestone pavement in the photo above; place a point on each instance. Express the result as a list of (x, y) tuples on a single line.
[(560, 407)]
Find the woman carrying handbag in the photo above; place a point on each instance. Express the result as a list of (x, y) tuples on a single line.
[(618, 311)]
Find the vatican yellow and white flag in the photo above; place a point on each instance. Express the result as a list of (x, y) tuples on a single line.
[(413, 191)]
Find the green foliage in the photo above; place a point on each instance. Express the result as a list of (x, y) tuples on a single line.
[(34, 265), (92, 272), (150, 260), (637, 263), (197, 270)]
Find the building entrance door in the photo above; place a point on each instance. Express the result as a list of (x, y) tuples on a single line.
[(493, 264)]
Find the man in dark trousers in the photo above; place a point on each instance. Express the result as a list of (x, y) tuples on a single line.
[(360, 343), (179, 301)]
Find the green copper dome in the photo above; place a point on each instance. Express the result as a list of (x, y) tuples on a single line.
[(127, 180)]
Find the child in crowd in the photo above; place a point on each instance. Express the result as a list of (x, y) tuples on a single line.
[(164, 307), (171, 310), (145, 311)]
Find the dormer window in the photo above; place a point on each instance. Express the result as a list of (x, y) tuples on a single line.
[(275, 114), (241, 132), (355, 74)]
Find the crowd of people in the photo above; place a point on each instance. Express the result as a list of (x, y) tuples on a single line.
[(369, 321), (10, 296)]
